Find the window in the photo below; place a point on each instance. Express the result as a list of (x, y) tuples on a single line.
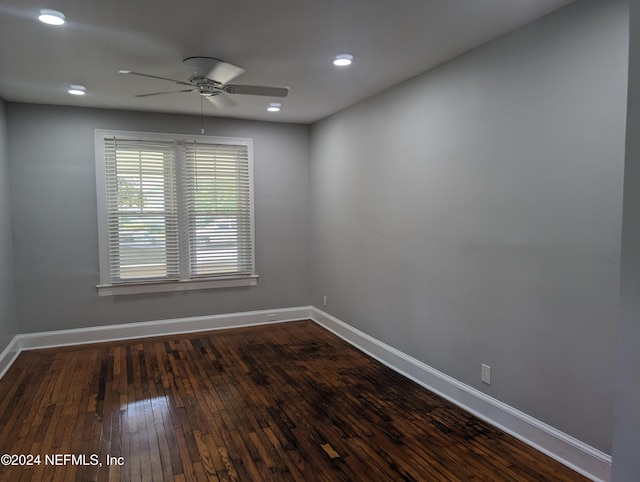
[(174, 212)]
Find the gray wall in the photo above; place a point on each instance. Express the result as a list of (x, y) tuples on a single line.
[(472, 215), (52, 167), (626, 448), (8, 327)]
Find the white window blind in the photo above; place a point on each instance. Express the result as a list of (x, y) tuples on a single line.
[(174, 209), (141, 210), (218, 209)]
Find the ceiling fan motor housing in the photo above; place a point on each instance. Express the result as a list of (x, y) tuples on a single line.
[(207, 88)]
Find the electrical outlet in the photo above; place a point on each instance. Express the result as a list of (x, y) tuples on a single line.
[(486, 374), (324, 301)]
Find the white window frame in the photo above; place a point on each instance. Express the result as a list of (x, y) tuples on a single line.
[(106, 286)]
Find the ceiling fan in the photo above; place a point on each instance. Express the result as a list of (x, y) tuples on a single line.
[(210, 78)]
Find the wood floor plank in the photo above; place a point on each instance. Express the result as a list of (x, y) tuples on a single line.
[(285, 402)]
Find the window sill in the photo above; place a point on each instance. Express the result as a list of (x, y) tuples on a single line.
[(165, 286)]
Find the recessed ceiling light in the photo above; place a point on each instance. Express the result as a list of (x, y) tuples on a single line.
[(343, 60), (77, 89), (51, 17), (274, 107)]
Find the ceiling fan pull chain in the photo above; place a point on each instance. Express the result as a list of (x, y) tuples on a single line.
[(201, 117)]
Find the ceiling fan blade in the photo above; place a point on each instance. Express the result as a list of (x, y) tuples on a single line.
[(223, 72), (168, 92), (221, 101), (256, 90), (153, 77)]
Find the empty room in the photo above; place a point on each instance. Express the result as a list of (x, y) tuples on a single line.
[(332, 241)]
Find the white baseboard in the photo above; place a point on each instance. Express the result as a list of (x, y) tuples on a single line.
[(569, 451), (9, 355), (146, 329)]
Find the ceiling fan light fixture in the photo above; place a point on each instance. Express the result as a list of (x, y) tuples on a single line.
[(274, 107), (77, 89), (51, 17), (343, 60)]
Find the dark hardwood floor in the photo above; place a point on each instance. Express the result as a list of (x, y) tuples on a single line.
[(282, 402)]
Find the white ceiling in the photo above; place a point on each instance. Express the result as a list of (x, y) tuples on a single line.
[(278, 42)]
